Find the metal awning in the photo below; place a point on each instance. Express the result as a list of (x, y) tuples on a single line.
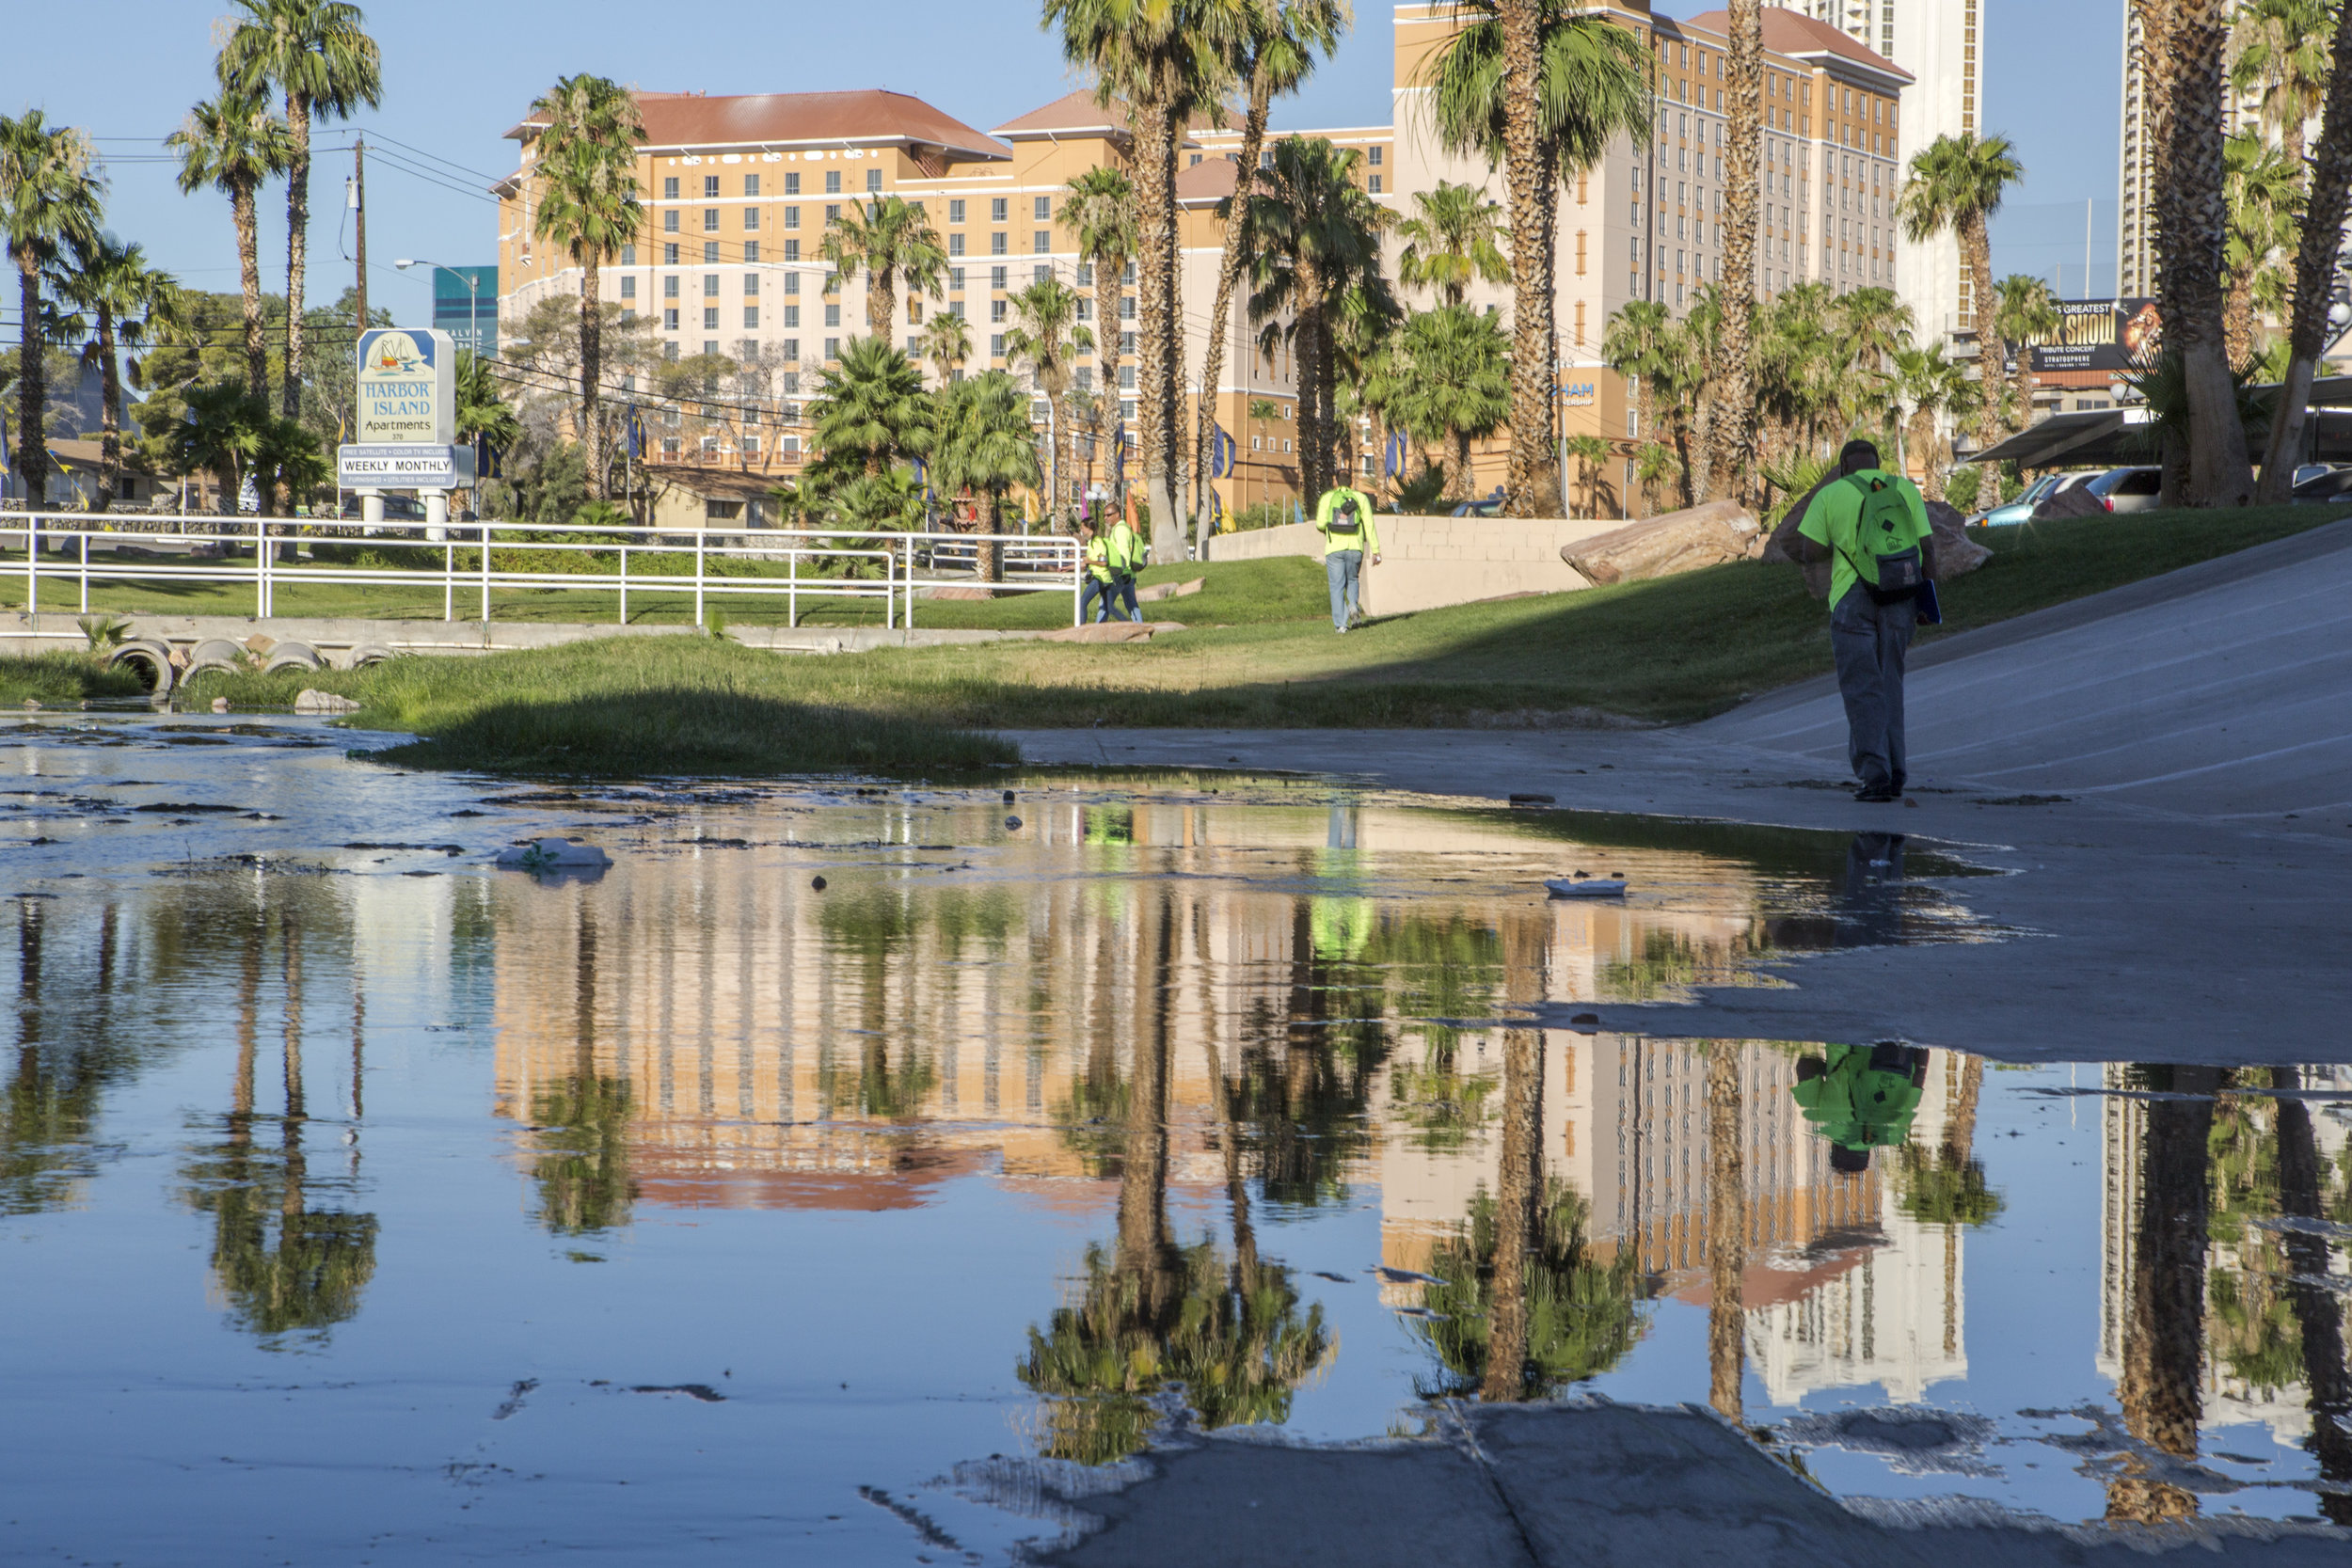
[(2083, 440)]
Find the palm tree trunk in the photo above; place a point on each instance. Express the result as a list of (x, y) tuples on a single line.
[(1315, 448), (2319, 1318), (590, 369), (1990, 351), (109, 411), (32, 391), (249, 281), (1456, 465), (1647, 394), (1727, 1231), (1922, 434), (2237, 321), (1743, 71), (1519, 1184), (2193, 212), (2164, 1320), (881, 302), (1531, 302), (2315, 270), (1154, 175), (1227, 277), (297, 245)]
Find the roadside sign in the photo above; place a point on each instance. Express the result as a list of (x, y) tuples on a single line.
[(407, 386), (403, 466)]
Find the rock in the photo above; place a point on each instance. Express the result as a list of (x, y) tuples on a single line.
[(1009, 796), (817, 883), (1013, 823), (220, 704), (1531, 798), (1706, 535), (957, 593), (2075, 500), (310, 700), (31, 706), (554, 854), (1170, 590), (1112, 631)]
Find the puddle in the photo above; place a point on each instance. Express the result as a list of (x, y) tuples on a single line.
[(697, 1210)]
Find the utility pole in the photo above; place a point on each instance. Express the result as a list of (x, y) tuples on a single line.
[(360, 204)]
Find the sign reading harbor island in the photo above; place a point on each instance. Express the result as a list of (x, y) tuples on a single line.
[(407, 386)]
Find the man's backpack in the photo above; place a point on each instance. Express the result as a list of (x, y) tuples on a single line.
[(1882, 531)]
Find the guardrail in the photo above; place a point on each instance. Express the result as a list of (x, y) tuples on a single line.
[(190, 547)]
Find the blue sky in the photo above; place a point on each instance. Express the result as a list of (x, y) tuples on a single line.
[(457, 76)]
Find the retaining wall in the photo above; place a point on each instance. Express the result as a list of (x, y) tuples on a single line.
[(1429, 562)]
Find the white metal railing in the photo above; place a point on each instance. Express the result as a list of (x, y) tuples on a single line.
[(186, 547)]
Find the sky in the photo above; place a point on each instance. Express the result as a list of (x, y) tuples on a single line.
[(458, 74)]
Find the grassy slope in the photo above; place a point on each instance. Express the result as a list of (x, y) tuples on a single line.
[(62, 679), (1676, 649)]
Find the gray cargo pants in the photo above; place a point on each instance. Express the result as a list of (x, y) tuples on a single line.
[(1870, 641)]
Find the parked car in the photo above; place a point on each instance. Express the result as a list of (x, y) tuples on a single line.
[(2021, 510), (2329, 488), (2133, 489)]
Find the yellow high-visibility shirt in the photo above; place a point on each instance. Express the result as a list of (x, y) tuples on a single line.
[(1365, 536)]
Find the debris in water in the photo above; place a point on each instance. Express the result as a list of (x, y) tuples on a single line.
[(552, 854), (702, 1391), (817, 883), (1013, 823), (1533, 800), (1579, 885), (1403, 1276)]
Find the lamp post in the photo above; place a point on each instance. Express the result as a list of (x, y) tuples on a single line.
[(474, 328)]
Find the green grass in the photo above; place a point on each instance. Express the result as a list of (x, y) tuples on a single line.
[(62, 679), (1676, 649)]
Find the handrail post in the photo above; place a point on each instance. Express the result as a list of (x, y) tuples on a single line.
[(1077, 584), (32, 567), (700, 529), (85, 571), (792, 590), (260, 566), (625, 584), (486, 572), (449, 577)]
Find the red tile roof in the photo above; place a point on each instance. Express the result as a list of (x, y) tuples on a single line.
[(1796, 35), (785, 118), (1069, 114), (1211, 180)]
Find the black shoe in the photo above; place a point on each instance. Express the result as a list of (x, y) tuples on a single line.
[(1877, 795)]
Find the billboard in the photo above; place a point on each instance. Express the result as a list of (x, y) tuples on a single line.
[(2111, 335), (407, 386)]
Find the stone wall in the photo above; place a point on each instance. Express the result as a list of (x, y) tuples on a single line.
[(1429, 562)]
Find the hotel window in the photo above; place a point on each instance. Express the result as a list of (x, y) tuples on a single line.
[(873, 180), (791, 282), (711, 253), (1041, 275), (710, 319), (996, 345), (792, 253), (751, 285), (627, 315), (669, 320), (997, 207), (833, 182), (710, 188), (832, 315), (955, 245), (914, 309), (1042, 207), (1127, 408), (788, 446), (996, 310), (669, 189), (1126, 307), (750, 220), (791, 185), (669, 443), (832, 348), (1373, 155), (669, 221), (1126, 342), (955, 277), (791, 217), (955, 308), (1086, 308), (751, 446), (997, 243), (750, 317), (792, 351), (995, 277), (629, 255), (629, 287), (1126, 378), (669, 288), (791, 315), (1376, 185), (710, 446), (711, 285), (750, 253), (955, 211), (1041, 243), (751, 185), (833, 212)]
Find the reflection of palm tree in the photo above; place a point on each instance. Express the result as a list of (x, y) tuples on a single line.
[(2164, 1324), (1726, 1228), (2318, 1314)]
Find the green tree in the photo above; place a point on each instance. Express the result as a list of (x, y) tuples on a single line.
[(2282, 55), (1098, 209), (2308, 332), (318, 55), (981, 442), (1955, 186), (1453, 239), (234, 144), (1541, 90), (1927, 385), (1453, 383), (586, 167), (2022, 309), (1275, 51), (129, 304), (482, 407), (2266, 196), (1316, 236), (869, 410), (947, 343), (1048, 339), (1634, 344), (890, 242), (49, 197), (220, 434)]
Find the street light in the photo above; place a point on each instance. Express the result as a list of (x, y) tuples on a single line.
[(473, 301)]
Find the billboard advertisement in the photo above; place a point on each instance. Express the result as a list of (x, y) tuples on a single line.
[(2108, 335)]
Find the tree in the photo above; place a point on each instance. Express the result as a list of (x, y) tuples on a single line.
[(1317, 235), (1590, 453), (587, 171), (2282, 55), (221, 435), (982, 442), (1635, 344), (869, 409), (947, 343), (1452, 241), (2022, 309), (1453, 383), (1955, 186), (1168, 59), (1048, 340), (1098, 209), (49, 197), (234, 142), (890, 242), (1277, 51), (128, 303), (1734, 442), (483, 411), (2308, 330), (1927, 384), (316, 53), (2264, 196), (1541, 90)]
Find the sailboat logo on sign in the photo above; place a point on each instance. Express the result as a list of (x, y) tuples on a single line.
[(407, 386)]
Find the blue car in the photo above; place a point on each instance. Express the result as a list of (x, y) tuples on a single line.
[(2021, 510)]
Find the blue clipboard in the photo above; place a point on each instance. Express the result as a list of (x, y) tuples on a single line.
[(1930, 610)]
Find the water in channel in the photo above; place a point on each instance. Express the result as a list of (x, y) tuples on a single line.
[(362, 1202)]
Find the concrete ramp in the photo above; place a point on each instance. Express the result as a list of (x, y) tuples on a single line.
[(2224, 689)]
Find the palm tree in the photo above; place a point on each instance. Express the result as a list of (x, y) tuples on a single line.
[(1453, 383), (1590, 453), (1048, 340), (869, 409), (1098, 209), (49, 197), (1927, 384), (1278, 49), (2307, 329), (128, 302), (1317, 236), (316, 53), (586, 165), (982, 442), (890, 242), (1541, 88), (1634, 344), (234, 142), (1168, 59), (1452, 241), (221, 435), (2264, 194), (1734, 443), (947, 343), (2282, 53), (1955, 186), (2022, 309)]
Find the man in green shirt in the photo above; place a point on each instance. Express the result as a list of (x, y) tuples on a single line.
[(1861, 1098), (1125, 552), (1343, 517), (1873, 528)]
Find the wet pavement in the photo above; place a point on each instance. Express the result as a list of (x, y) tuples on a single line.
[(366, 1203)]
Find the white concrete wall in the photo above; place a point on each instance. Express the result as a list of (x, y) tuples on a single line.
[(1429, 562)]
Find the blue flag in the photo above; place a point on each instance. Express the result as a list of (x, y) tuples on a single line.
[(1394, 464), (1222, 451)]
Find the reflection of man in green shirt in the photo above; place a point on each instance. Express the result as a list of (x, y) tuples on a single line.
[(1339, 927), (1861, 1098)]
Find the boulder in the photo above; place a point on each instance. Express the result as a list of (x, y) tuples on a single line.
[(1706, 535), (1170, 590), (1954, 553), (312, 701), (554, 854), (1783, 546), (1112, 631), (2075, 500)]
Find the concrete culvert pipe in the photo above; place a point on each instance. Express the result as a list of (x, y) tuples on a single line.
[(367, 654), (215, 652), (292, 656), (150, 661)]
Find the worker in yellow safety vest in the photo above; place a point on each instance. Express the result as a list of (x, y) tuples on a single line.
[(1124, 552), (1095, 551), (1344, 518)]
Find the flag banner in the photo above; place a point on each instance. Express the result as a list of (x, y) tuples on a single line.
[(1395, 461), (636, 434), (1222, 451)]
